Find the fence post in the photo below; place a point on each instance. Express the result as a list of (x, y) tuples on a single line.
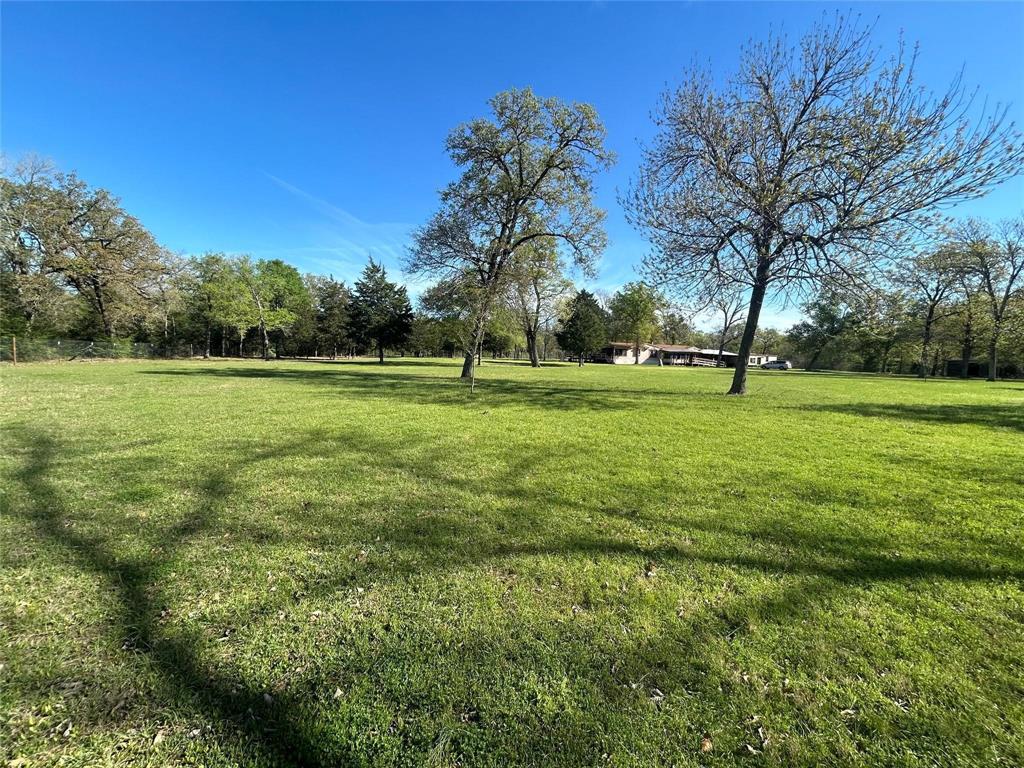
[(14, 350)]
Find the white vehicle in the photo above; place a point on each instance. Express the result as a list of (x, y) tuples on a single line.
[(777, 365)]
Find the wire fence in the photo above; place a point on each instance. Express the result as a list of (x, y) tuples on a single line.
[(24, 349)]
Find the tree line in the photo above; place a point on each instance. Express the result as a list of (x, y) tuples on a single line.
[(77, 265), (932, 315), (817, 173)]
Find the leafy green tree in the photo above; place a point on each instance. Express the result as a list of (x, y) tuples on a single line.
[(882, 326), (969, 312), (768, 340), (503, 333), (206, 291), (675, 328), (432, 336), (276, 291), (55, 227), (997, 259), (332, 307), (806, 170), (381, 315), (233, 304), (449, 305), (537, 285), (526, 175), (827, 318), (634, 311), (585, 328), (930, 279)]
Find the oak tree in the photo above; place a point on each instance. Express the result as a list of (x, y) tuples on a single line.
[(527, 175)]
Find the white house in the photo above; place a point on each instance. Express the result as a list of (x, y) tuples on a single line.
[(621, 353)]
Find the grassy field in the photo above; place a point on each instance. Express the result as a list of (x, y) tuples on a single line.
[(239, 563)]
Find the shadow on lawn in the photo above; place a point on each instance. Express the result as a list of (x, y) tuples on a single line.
[(359, 362), (135, 586), (985, 415), (811, 565), (369, 380)]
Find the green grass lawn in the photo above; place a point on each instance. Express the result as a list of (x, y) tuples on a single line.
[(240, 563)]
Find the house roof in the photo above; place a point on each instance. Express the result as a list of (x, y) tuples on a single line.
[(676, 348), (669, 348)]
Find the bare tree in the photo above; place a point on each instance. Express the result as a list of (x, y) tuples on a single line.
[(812, 165), (527, 176), (730, 310)]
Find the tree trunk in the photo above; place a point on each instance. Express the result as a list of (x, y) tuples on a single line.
[(926, 340), (993, 355), (266, 341), (206, 352), (883, 366), (380, 353), (531, 348), (636, 351), (476, 340), (813, 362), (101, 306), (739, 377), (965, 354)]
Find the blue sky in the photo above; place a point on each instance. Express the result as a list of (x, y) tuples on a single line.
[(315, 132)]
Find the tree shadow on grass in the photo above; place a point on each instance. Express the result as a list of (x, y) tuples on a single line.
[(441, 390), (265, 727), (808, 565), (1002, 416), (361, 362)]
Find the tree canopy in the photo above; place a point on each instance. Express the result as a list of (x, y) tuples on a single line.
[(812, 165), (634, 310), (380, 310), (584, 330), (527, 175)]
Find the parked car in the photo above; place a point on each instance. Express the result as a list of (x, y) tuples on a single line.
[(777, 365)]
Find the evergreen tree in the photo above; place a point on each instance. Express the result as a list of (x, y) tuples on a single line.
[(332, 319), (381, 315), (585, 329)]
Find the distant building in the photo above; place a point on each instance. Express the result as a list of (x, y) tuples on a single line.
[(621, 353)]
